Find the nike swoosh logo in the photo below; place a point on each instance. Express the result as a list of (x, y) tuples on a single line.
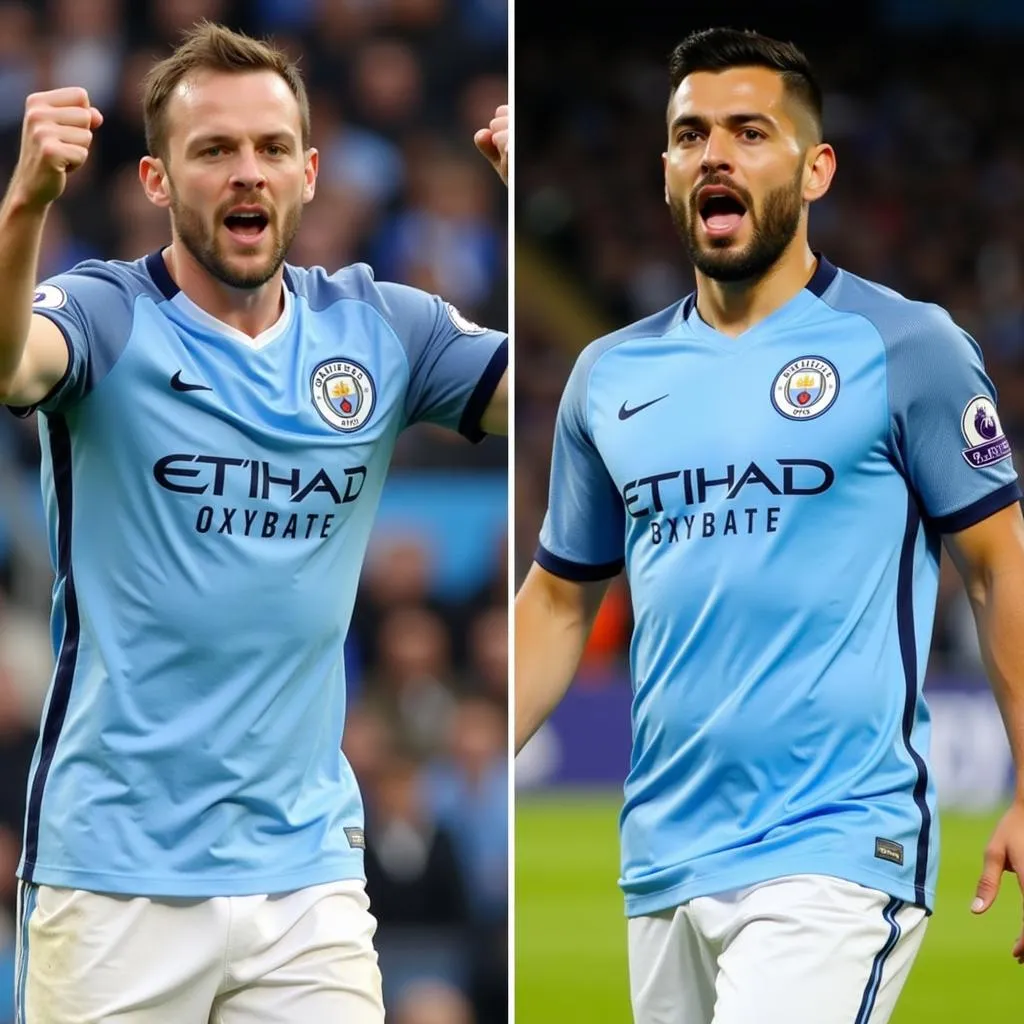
[(179, 385), (625, 413)]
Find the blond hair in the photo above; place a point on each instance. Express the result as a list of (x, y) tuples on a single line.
[(211, 47)]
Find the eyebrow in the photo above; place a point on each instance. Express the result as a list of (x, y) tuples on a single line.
[(731, 121), (217, 138)]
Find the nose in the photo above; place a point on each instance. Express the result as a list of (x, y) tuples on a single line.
[(717, 153), (246, 172)]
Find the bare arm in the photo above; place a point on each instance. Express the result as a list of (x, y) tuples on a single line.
[(56, 136), (33, 353), (495, 417), (553, 620), (990, 558), (492, 142)]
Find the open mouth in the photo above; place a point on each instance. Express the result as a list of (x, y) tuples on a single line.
[(721, 211), (247, 225)]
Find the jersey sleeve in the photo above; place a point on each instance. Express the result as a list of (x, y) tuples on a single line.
[(91, 304), (946, 433), (454, 364), (583, 534)]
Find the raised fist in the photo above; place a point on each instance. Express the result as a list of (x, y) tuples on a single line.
[(55, 139)]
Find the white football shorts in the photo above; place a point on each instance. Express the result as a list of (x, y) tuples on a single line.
[(805, 949), (305, 956)]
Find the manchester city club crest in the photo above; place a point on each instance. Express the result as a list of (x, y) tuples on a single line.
[(343, 393), (805, 388), (983, 433)]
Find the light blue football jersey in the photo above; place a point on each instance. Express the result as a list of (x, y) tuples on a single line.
[(209, 499), (778, 501)]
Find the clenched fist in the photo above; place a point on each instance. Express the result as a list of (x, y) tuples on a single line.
[(55, 139), (492, 141)]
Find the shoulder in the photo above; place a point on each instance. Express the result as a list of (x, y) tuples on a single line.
[(95, 281), (401, 306), (654, 326), (902, 324), (355, 282), (321, 288)]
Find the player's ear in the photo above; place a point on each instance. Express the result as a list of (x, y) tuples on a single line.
[(312, 169), (664, 171), (821, 168), (153, 176)]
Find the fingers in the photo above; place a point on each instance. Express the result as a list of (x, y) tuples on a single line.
[(62, 117), (493, 141), (69, 158), (63, 106), (58, 145), (57, 135), (499, 126), (991, 875), (484, 141), (1018, 949), (71, 136), (69, 96), (499, 123)]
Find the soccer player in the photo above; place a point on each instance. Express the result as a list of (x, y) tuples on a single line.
[(216, 428), (776, 460)]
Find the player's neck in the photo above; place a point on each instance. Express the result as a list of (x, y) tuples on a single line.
[(732, 307), (249, 310)]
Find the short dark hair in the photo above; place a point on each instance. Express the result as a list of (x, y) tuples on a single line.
[(211, 47), (717, 49)]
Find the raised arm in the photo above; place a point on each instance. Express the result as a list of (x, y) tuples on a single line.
[(56, 136)]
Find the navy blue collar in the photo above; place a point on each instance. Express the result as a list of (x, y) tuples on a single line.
[(824, 274), (161, 276)]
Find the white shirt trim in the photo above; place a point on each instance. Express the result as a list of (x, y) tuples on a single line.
[(264, 338)]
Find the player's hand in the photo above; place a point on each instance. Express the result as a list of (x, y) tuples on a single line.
[(55, 139), (492, 141), (1005, 852)]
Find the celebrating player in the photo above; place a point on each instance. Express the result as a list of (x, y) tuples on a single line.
[(216, 427), (776, 460)]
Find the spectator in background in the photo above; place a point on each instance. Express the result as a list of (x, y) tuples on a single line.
[(468, 793), (394, 86), (412, 874), (413, 680)]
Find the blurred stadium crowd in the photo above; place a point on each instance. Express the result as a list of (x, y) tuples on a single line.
[(397, 88), (928, 199)]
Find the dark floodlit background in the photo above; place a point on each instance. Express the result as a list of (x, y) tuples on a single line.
[(923, 103), (397, 89)]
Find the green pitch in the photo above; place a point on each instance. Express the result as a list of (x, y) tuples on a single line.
[(570, 933)]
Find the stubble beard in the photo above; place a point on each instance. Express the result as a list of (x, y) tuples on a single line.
[(773, 229), (200, 240)]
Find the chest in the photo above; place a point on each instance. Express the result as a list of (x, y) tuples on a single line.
[(306, 422), (321, 386), (787, 415)]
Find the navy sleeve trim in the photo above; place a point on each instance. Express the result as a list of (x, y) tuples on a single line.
[(24, 411), (578, 572), (979, 510), (476, 406)]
